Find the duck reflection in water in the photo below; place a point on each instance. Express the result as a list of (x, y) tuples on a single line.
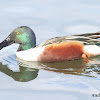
[(23, 75), (75, 67), (29, 70)]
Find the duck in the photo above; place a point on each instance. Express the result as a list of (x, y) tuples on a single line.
[(57, 49)]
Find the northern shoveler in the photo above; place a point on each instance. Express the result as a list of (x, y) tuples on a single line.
[(55, 49)]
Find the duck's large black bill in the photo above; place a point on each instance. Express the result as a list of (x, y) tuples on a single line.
[(6, 42)]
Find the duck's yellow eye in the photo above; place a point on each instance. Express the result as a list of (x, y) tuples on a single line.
[(18, 33)]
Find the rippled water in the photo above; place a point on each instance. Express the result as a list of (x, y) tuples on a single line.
[(72, 80)]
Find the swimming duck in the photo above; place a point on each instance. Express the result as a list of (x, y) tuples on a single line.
[(55, 49)]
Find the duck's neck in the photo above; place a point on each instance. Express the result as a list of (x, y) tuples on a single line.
[(26, 46)]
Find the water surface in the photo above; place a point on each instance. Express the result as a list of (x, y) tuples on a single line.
[(72, 80)]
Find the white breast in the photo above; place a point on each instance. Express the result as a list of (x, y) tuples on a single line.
[(91, 50), (31, 54)]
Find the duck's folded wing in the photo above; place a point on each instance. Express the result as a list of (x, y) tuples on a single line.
[(87, 38)]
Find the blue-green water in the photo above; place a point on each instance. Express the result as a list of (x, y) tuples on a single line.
[(70, 80)]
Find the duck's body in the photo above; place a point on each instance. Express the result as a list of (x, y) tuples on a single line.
[(53, 52), (55, 49)]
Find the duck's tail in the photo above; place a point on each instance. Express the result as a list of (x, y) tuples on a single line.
[(90, 35), (88, 38)]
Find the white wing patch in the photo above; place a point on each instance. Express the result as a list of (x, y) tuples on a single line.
[(92, 50), (31, 54)]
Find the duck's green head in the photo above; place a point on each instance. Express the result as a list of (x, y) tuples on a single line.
[(23, 35)]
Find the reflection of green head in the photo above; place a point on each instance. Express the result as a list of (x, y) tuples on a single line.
[(25, 74)]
